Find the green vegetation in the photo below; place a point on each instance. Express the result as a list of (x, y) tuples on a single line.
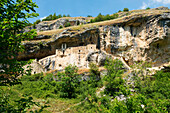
[(21, 92), (54, 17), (49, 18), (101, 17), (125, 10), (148, 8), (36, 22), (89, 16), (67, 24), (119, 11), (13, 18), (151, 93), (60, 27)]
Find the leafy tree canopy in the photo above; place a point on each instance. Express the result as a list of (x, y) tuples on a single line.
[(13, 18)]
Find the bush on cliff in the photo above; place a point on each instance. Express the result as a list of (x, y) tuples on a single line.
[(125, 10), (54, 17), (101, 17)]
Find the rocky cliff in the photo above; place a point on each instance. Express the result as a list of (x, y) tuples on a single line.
[(141, 35), (60, 23)]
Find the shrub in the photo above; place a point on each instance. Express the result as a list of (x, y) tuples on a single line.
[(94, 71), (60, 27), (125, 10), (89, 16), (148, 8), (67, 24), (119, 11), (101, 17)]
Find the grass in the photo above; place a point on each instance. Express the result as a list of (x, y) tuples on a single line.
[(58, 105), (42, 90)]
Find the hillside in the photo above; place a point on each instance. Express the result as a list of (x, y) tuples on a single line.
[(138, 35), (118, 63)]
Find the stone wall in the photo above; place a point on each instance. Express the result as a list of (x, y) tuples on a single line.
[(71, 55), (40, 49)]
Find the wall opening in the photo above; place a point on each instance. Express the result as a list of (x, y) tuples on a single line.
[(63, 47), (131, 30), (157, 46), (90, 39), (81, 44)]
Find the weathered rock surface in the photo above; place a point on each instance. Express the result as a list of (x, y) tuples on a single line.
[(142, 40), (143, 36), (43, 48), (59, 23)]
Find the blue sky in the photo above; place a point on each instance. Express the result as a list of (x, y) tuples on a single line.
[(92, 7)]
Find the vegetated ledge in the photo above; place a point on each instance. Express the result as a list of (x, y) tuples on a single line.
[(45, 47), (119, 21)]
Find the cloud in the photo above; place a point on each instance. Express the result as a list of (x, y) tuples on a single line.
[(152, 3), (162, 1), (43, 18), (144, 5)]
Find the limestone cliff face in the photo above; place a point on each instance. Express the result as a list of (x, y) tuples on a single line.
[(43, 48), (146, 39), (141, 39), (140, 36)]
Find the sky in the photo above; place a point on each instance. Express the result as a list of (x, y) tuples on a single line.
[(76, 8)]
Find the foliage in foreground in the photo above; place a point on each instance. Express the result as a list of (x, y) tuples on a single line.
[(152, 93)]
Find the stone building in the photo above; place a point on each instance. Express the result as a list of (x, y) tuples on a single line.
[(71, 55)]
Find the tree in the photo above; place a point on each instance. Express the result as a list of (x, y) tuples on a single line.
[(68, 15), (68, 82), (99, 18), (125, 10), (36, 22), (64, 15), (13, 18), (54, 16), (114, 81), (59, 16), (89, 16), (148, 8), (119, 11)]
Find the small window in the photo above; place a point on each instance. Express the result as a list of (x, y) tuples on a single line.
[(79, 50), (60, 65), (91, 47)]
